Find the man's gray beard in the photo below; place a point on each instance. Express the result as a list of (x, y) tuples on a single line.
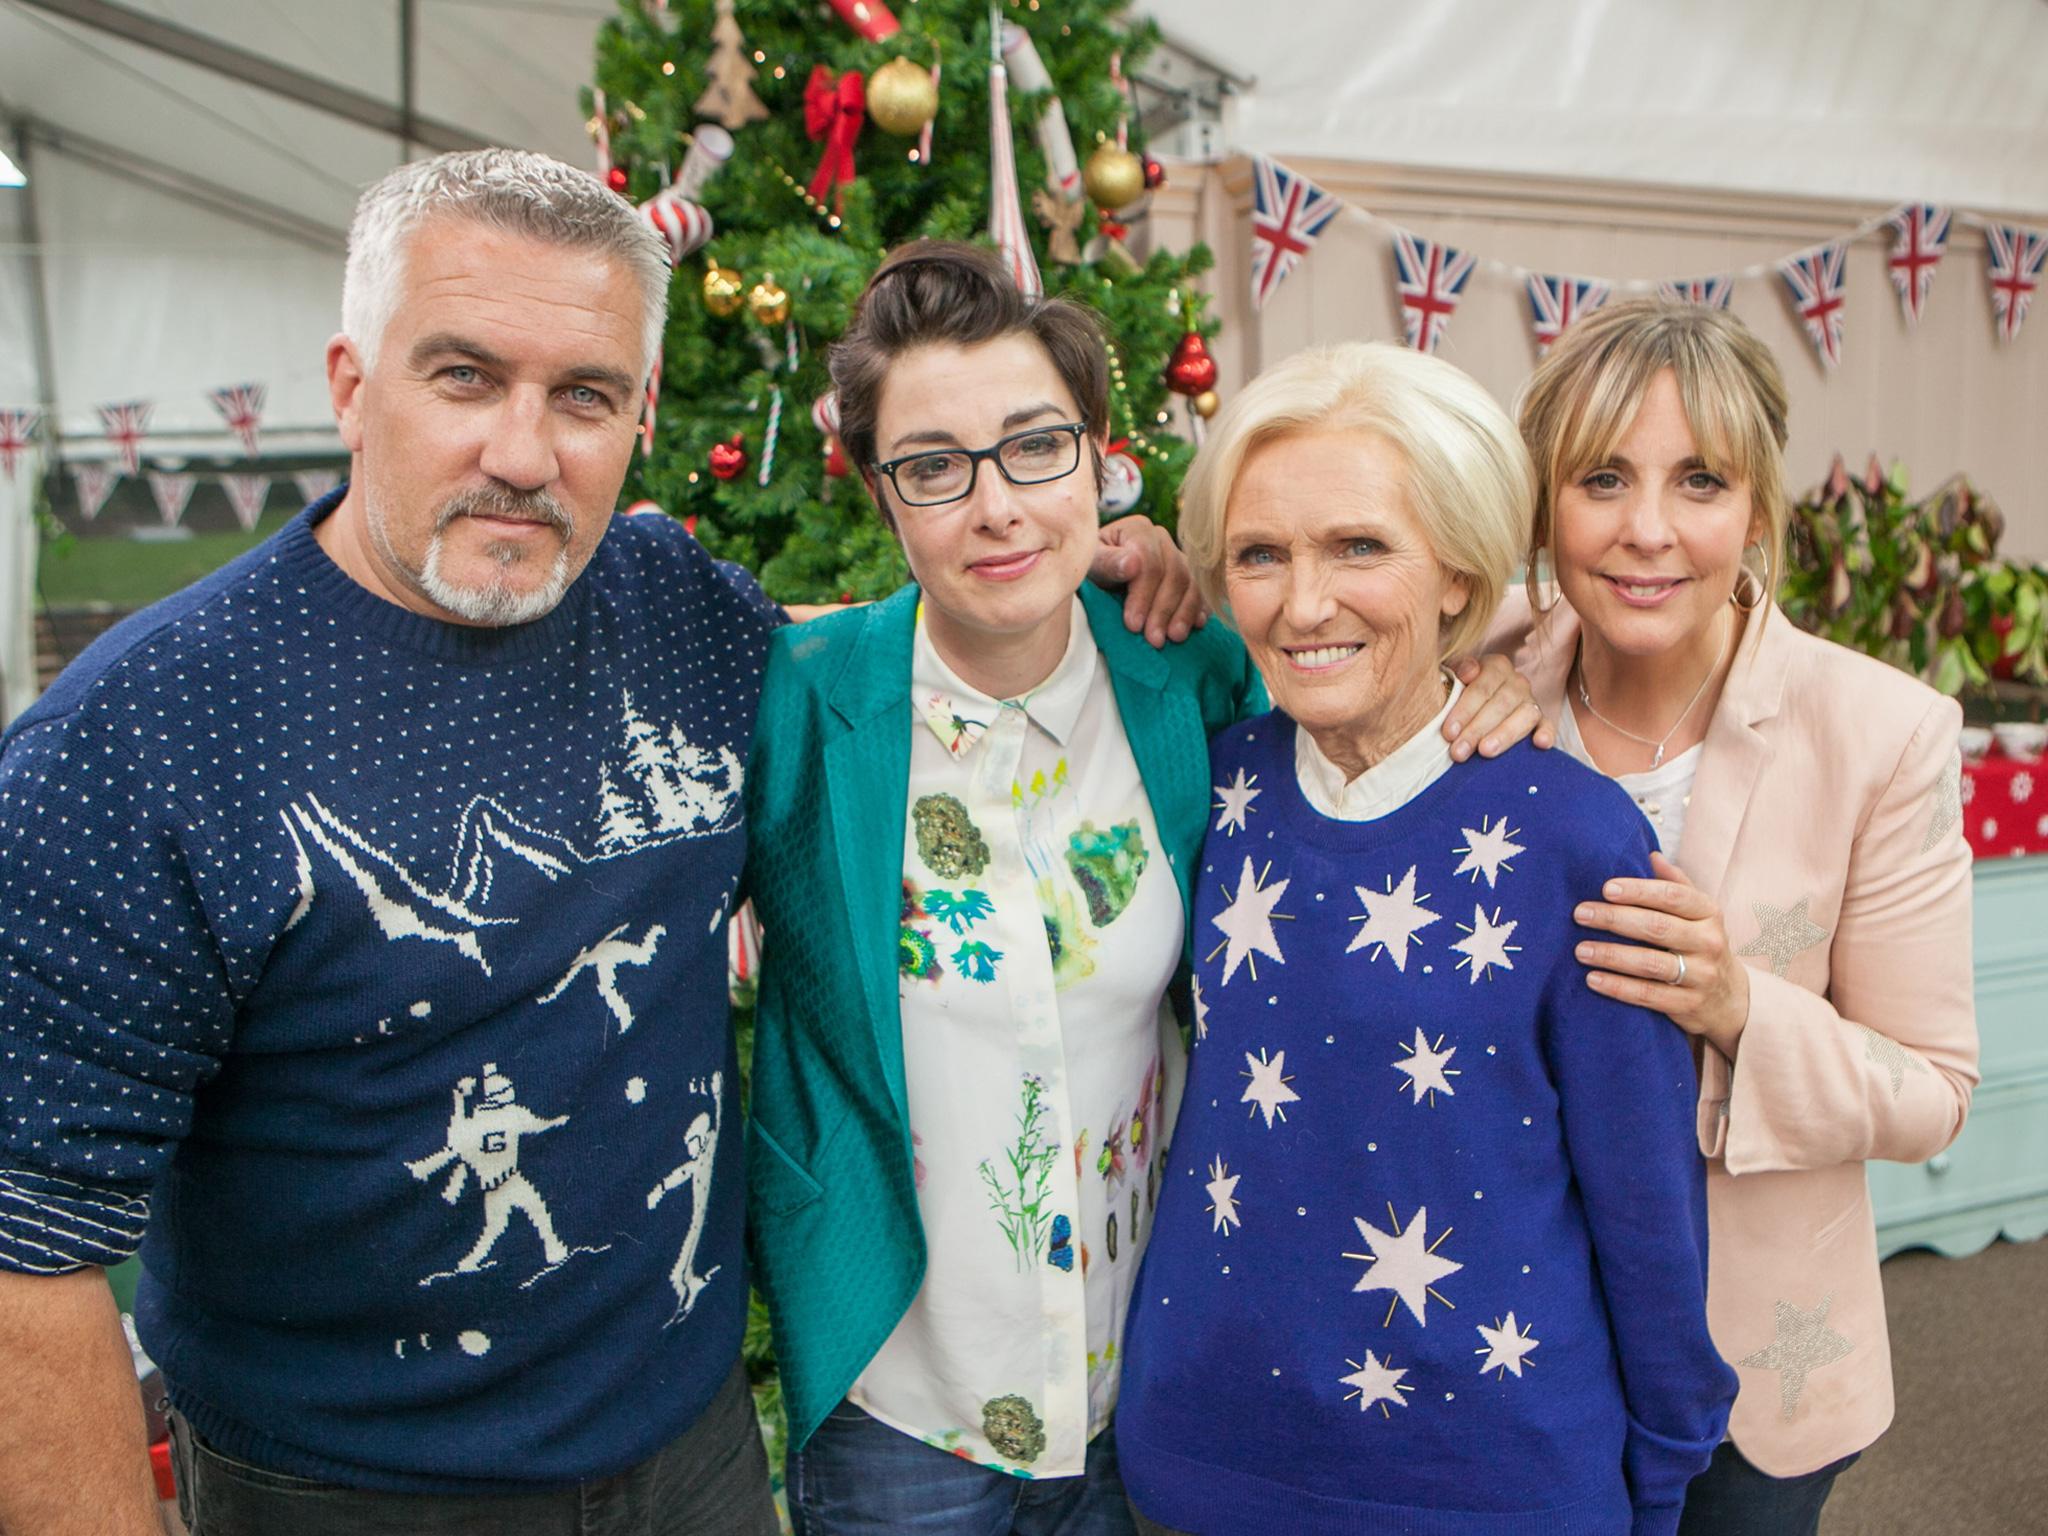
[(495, 605)]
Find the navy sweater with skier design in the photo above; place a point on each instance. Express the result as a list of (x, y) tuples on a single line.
[(1431, 1249), (370, 972)]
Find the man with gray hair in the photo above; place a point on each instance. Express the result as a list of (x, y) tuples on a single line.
[(302, 855)]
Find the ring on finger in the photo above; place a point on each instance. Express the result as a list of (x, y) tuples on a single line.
[(1679, 979)]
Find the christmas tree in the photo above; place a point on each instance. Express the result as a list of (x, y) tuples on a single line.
[(841, 169)]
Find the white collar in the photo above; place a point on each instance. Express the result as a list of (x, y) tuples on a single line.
[(959, 714), (1388, 784)]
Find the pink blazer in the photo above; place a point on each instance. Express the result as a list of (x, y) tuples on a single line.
[(1826, 820)]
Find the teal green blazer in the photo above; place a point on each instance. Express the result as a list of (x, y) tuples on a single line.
[(839, 1251)]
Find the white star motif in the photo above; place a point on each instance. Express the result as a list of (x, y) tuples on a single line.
[(1234, 800), (1201, 1013), (1268, 1089), (1391, 919), (1247, 923), (1487, 851), (1506, 1347), (1425, 1068), (1804, 1343), (1890, 1055), (1950, 796), (1375, 1382), (1402, 1264), (1222, 1187), (1486, 943), (1786, 932)]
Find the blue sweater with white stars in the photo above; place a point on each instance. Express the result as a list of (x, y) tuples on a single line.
[(369, 972), (1430, 1255)]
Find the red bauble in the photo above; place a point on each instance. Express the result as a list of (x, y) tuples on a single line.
[(835, 457), (730, 457), (1191, 370), (1155, 174), (615, 178)]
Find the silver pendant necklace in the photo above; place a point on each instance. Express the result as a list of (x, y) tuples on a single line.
[(1579, 666)]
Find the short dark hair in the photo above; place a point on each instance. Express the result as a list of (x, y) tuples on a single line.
[(946, 291)]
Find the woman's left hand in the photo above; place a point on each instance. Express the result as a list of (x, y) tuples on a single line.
[(1679, 965), (1496, 710)]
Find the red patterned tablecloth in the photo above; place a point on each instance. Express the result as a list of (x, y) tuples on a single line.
[(2005, 806)]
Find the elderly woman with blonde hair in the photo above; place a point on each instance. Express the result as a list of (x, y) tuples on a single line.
[(1808, 923), (1431, 1249)]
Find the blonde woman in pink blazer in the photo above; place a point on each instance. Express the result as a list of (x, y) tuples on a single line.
[(1810, 928)]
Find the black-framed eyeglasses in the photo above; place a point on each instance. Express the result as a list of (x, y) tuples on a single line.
[(1031, 457)]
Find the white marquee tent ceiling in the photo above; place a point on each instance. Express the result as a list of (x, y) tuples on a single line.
[(189, 222)]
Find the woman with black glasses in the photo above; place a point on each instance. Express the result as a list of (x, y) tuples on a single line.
[(975, 811)]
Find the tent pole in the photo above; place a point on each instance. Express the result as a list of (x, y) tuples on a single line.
[(38, 292), (407, 79)]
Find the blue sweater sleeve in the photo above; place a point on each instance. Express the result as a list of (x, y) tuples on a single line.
[(114, 1004), (1626, 1090)]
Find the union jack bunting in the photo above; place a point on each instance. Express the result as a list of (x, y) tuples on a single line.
[(246, 494), (173, 493), (2015, 256), (1919, 236), (1005, 211), (1555, 302), (17, 431), (1714, 292), (95, 483), (315, 483), (1814, 279), (1430, 278), (1288, 212), (241, 407), (125, 425)]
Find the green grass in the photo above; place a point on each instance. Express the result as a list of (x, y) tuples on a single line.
[(132, 573)]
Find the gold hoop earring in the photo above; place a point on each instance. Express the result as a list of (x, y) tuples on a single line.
[(1759, 586)]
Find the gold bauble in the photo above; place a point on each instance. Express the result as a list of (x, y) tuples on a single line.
[(723, 291), (902, 98), (1115, 178), (767, 302), (1207, 403)]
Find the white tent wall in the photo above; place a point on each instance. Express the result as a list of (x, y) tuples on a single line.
[(1877, 99), (1944, 398), (154, 299), (18, 588)]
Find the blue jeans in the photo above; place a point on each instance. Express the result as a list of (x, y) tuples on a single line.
[(859, 1477), (1732, 1498)]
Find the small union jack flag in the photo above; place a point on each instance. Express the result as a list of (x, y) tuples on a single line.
[(95, 483), (316, 483), (1714, 292), (241, 406), (1919, 236), (125, 425), (173, 493), (2016, 256), (246, 494), (1814, 279), (17, 431), (1430, 277), (1555, 302), (1288, 212)]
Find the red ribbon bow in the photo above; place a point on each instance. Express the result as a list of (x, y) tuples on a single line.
[(834, 113)]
